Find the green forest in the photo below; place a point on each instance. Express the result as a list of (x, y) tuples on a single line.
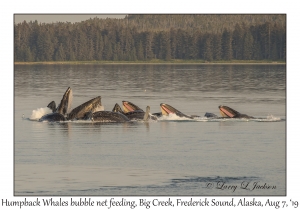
[(148, 37)]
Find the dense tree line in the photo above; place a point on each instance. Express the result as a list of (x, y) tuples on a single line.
[(204, 23), (132, 39)]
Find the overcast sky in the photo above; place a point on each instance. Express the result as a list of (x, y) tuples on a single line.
[(52, 18)]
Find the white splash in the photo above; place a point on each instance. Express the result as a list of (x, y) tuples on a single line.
[(173, 117), (39, 112), (270, 118)]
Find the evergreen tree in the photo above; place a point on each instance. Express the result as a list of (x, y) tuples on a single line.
[(166, 46), (158, 46), (132, 55), (180, 44), (108, 51), (148, 40), (208, 52), (193, 46), (227, 45), (99, 47), (275, 42), (217, 47), (145, 37), (257, 54), (90, 50), (60, 54), (140, 51), (173, 43), (237, 42), (248, 46), (265, 35)]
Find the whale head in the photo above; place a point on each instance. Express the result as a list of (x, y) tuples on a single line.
[(228, 112), (65, 103), (89, 106), (130, 107)]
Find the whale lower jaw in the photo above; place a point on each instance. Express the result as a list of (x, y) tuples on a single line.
[(167, 109), (90, 106), (130, 107), (226, 111), (65, 102)]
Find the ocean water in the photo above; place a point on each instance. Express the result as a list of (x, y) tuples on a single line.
[(172, 156)]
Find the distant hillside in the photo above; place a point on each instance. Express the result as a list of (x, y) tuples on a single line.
[(205, 23), (148, 37)]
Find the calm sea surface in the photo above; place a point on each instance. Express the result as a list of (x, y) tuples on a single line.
[(166, 157)]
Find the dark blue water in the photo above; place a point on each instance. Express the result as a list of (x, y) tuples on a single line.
[(166, 157)]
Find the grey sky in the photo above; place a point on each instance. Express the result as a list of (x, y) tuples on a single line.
[(52, 18)]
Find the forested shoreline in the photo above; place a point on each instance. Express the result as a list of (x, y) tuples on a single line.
[(154, 37)]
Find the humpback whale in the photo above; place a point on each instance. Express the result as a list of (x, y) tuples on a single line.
[(113, 117), (52, 117), (90, 106), (132, 111), (58, 114), (132, 115), (64, 105), (106, 117), (65, 102), (77, 113), (229, 112), (129, 107), (52, 106), (166, 109), (210, 115)]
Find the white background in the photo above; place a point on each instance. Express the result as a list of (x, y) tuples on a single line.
[(9, 8)]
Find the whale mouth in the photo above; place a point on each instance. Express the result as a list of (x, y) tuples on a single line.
[(66, 101), (89, 106), (228, 112), (167, 109), (130, 107)]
